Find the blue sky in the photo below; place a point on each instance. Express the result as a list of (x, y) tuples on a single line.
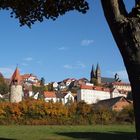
[(60, 49)]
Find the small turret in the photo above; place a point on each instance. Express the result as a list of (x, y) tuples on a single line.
[(16, 87)]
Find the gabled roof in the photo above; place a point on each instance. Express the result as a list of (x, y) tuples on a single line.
[(16, 76), (112, 101)]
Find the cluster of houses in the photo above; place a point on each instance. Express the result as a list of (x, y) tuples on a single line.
[(99, 90)]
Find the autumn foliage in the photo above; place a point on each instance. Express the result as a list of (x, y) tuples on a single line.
[(38, 112)]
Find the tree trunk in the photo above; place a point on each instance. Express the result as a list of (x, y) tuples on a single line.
[(126, 32), (128, 42), (127, 37)]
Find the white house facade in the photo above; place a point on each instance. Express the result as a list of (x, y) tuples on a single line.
[(93, 94), (50, 96), (68, 97), (115, 93), (122, 86), (65, 97)]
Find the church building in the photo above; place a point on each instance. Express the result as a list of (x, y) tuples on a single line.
[(95, 75)]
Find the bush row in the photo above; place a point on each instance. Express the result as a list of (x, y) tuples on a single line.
[(38, 112)]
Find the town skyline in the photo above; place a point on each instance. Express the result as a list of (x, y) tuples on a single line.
[(60, 49)]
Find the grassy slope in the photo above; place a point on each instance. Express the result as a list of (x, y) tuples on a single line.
[(109, 132)]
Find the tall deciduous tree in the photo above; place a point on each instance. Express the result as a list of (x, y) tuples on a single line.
[(124, 26)]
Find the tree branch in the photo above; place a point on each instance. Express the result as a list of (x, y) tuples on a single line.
[(114, 9)]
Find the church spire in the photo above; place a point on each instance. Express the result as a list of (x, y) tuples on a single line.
[(98, 74), (92, 74), (98, 67)]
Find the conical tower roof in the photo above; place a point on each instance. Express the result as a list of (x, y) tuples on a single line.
[(16, 78)]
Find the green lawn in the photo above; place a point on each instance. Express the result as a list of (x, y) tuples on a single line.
[(107, 132)]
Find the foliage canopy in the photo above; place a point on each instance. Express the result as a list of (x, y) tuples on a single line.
[(30, 11)]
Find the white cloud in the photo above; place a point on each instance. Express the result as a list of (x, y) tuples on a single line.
[(7, 72), (77, 65), (28, 59), (86, 42), (62, 48), (68, 66)]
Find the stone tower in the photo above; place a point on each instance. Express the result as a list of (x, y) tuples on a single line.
[(98, 74), (16, 87)]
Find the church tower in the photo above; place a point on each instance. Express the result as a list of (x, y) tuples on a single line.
[(16, 87), (98, 74)]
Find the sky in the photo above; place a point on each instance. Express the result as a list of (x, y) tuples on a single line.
[(65, 48)]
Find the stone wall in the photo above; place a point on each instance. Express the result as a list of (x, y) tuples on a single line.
[(16, 93)]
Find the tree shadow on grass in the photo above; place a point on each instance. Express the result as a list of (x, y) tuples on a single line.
[(100, 135), (6, 139)]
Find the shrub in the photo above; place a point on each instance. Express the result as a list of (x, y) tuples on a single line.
[(126, 115), (38, 112)]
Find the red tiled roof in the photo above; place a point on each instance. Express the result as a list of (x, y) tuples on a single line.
[(86, 87), (49, 94), (25, 76), (95, 88), (121, 83)]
